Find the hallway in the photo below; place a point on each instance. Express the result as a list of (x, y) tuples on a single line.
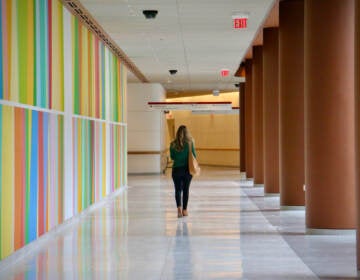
[(232, 232)]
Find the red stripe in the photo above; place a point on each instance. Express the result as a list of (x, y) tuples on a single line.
[(97, 73), (41, 225), (19, 178)]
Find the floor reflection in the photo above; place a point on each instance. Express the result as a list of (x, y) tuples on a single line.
[(182, 252)]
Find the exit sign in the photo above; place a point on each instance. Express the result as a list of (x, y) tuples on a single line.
[(240, 23)]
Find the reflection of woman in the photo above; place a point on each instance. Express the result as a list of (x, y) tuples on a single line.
[(179, 152)]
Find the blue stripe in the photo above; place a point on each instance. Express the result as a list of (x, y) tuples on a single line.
[(46, 161), (34, 183)]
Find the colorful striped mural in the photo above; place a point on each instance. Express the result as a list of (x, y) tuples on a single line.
[(32, 53), (38, 40), (94, 176), (99, 77), (31, 175)]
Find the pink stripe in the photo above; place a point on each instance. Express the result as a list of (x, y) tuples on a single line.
[(112, 157), (97, 161)]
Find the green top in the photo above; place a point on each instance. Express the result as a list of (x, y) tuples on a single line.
[(181, 158)]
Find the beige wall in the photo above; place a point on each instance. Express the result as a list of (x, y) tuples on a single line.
[(216, 135), (146, 129)]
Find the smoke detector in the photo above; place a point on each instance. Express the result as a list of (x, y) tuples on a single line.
[(150, 14)]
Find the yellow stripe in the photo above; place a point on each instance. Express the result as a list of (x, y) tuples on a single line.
[(7, 209), (124, 95), (57, 55), (14, 78), (8, 43)]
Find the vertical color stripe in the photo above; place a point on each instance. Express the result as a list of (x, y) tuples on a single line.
[(1, 163), (50, 52), (33, 177), (7, 183), (1, 51), (45, 179), (41, 228), (19, 178)]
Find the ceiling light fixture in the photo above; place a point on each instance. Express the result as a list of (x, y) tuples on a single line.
[(216, 92)]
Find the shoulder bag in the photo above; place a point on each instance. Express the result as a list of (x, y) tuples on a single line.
[(194, 167)]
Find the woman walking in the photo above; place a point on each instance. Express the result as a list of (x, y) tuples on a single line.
[(179, 153)]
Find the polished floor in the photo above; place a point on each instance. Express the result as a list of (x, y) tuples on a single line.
[(232, 232)]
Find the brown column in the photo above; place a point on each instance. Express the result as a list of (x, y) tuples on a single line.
[(329, 114), (357, 125), (291, 109), (248, 119), (242, 126), (257, 85), (271, 109)]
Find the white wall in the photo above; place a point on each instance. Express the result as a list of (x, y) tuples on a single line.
[(146, 128)]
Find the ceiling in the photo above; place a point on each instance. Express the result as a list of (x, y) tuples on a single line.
[(195, 37)]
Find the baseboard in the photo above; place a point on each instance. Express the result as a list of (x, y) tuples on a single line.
[(145, 173), (315, 231), (285, 207), (271, 194)]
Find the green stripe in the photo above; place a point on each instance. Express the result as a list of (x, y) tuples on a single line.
[(122, 92), (22, 17)]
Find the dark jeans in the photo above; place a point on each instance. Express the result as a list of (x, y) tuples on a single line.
[(182, 179)]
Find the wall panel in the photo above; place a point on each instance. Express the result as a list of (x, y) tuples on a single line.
[(32, 178), (40, 136)]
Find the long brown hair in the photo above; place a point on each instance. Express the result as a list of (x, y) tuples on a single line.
[(182, 136)]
